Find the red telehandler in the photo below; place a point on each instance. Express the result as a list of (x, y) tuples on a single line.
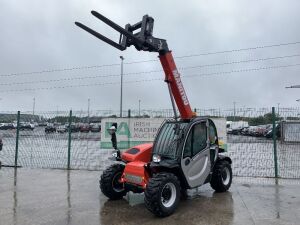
[(186, 152)]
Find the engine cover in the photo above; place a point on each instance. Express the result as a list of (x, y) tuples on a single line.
[(140, 152)]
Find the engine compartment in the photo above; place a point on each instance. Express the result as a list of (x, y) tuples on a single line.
[(142, 152)]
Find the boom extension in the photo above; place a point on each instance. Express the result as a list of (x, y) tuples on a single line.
[(172, 77), (144, 41)]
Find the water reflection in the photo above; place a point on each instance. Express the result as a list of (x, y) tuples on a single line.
[(73, 197), (200, 209), (15, 197), (69, 209), (277, 199)]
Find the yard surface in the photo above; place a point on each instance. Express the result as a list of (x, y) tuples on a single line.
[(49, 197)]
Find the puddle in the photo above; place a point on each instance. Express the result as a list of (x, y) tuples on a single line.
[(134, 198)]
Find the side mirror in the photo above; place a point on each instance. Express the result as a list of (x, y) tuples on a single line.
[(114, 141), (112, 129), (112, 132)]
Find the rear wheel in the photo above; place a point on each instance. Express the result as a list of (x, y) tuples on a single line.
[(222, 176), (110, 184), (162, 194)]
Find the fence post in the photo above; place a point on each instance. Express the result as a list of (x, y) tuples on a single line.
[(17, 139), (274, 142), (129, 113), (69, 139)]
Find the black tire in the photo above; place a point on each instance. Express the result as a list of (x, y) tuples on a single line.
[(162, 194), (222, 176), (109, 184)]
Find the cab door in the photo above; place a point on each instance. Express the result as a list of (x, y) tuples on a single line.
[(196, 163)]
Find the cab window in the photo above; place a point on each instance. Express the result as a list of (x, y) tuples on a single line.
[(196, 141), (212, 133)]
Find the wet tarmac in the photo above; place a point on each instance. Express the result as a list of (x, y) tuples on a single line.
[(50, 197)]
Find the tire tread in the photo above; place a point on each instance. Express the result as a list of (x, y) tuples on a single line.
[(106, 181), (216, 181), (152, 194)]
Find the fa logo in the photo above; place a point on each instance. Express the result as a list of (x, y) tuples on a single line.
[(123, 129)]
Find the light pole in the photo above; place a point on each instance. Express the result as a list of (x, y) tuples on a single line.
[(56, 114), (278, 108), (234, 111), (139, 107), (89, 110), (33, 107), (121, 97)]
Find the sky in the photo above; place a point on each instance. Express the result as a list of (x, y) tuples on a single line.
[(44, 56)]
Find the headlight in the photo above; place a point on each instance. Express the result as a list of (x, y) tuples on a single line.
[(156, 158)]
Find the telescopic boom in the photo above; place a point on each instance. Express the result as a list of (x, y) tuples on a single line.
[(144, 41)]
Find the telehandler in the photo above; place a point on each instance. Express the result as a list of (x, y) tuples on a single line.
[(186, 152)]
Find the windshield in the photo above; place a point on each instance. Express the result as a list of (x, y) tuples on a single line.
[(168, 139)]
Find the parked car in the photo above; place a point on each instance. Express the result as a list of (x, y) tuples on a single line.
[(61, 129), (260, 131), (50, 128), (235, 127), (267, 128), (74, 128), (252, 130), (26, 126), (269, 133), (85, 128), (42, 124), (257, 131), (236, 131), (245, 131), (6, 126), (95, 128)]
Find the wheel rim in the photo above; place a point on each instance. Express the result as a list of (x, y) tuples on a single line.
[(226, 176), (116, 185), (168, 195)]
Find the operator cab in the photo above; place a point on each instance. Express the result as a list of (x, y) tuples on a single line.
[(191, 146)]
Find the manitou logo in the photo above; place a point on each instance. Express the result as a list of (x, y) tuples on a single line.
[(180, 87)]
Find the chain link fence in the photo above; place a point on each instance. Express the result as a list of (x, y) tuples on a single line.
[(66, 139)]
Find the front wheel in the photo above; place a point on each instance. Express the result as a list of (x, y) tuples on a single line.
[(110, 184), (222, 176), (162, 194)]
